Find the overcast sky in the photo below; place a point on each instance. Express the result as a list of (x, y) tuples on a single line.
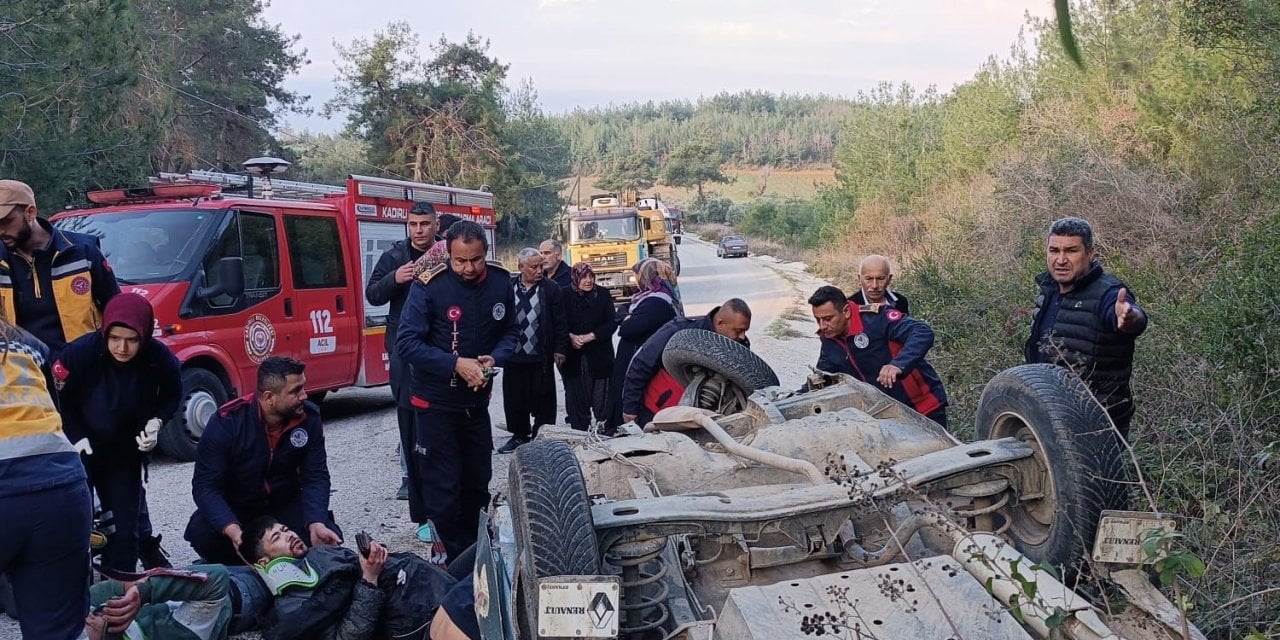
[(596, 52)]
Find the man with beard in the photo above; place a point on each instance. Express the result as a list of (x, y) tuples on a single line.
[(53, 283), (262, 455), (389, 285), (553, 264), (649, 388), (879, 344), (334, 593)]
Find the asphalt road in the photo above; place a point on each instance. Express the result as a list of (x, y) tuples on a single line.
[(360, 424)]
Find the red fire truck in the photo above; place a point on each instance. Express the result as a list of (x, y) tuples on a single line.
[(235, 279)]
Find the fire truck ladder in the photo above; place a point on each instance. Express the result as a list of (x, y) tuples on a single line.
[(232, 182)]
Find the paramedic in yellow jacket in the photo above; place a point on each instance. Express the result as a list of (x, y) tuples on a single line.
[(53, 283), (44, 498)]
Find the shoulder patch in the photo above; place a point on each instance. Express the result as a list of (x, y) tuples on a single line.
[(426, 275), (234, 405), (894, 315)]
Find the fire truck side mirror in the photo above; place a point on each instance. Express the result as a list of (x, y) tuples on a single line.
[(230, 280)]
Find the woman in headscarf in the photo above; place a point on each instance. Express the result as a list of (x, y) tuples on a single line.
[(589, 363), (667, 274), (118, 386), (651, 307), (44, 501)]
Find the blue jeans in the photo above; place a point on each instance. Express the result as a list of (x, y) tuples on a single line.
[(250, 598), (46, 556)]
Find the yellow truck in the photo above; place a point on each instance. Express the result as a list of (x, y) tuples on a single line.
[(615, 233)]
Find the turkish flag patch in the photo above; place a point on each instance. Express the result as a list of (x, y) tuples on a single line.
[(894, 315)]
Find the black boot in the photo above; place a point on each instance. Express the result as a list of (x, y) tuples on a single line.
[(151, 554)]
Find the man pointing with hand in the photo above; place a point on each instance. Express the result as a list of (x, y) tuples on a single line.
[(458, 326), (1086, 319)]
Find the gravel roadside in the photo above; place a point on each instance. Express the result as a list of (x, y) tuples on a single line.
[(360, 425)]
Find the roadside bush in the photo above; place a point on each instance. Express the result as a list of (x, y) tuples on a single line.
[(715, 209), (792, 221)]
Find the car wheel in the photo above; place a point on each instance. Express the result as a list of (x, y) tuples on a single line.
[(692, 353), (202, 394), (551, 514), (1078, 456)]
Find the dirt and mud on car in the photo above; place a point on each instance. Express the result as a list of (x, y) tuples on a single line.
[(752, 512)]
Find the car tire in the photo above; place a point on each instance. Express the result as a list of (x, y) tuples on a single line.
[(1079, 452), (551, 514), (692, 350), (202, 394)]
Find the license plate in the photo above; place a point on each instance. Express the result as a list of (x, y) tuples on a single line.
[(578, 607), (1120, 536)]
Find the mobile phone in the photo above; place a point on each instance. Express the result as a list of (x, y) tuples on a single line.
[(492, 372), (364, 542)]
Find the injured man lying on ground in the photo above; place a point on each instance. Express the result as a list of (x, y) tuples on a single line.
[(343, 594), (292, 591)]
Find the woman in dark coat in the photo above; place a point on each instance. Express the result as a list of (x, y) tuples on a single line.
[(117, 387), (650, 308), (589, 363)]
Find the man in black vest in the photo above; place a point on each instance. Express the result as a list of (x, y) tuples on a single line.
[(1086, 319)]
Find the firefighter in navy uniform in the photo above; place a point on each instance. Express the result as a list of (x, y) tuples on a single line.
[(881, 345), (262, 455), (457, 326)]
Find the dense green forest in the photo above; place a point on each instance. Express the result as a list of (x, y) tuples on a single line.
[(100, 93), (751, 128)]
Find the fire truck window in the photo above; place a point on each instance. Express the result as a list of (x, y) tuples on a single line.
[(261, 251), (226, 245), (316, 252), (251, 236)]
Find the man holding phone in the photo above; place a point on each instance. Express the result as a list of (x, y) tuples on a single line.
[(458, 325)]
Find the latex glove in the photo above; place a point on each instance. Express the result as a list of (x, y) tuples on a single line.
[(82, 447), (149, 435)]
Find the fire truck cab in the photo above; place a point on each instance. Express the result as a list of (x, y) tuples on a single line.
[(235, 279)]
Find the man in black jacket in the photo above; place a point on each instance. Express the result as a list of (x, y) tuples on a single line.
[(458, 326), (553, 264), (529, 387), (389, 284), (649, 388), (1086, 319), (262, 455), (335, 593), (879, 345)]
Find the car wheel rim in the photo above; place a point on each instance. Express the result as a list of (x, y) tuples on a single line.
[(200, 407), (1031, 519)]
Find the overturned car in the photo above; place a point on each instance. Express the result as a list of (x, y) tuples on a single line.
[(754, 513)]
